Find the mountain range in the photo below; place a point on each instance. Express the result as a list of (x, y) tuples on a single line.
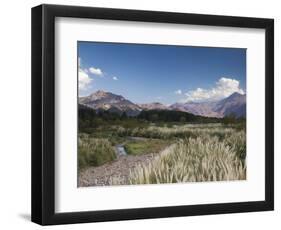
[(235, 104)]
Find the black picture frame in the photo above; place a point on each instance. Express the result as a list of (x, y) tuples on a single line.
[(43, 114)]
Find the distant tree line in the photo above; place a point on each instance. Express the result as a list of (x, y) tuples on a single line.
[(89, 118), (174, 116)]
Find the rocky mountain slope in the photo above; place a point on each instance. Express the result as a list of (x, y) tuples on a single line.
[(153, 106), (203, 109), (234, 104), (101, 100)]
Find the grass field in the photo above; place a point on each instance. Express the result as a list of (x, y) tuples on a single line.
[(186, 153), (145, 146), (205, 158)]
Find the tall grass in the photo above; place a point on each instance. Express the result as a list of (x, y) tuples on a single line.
[(94, 152), (177, 131), (237, 141), (204, 158)]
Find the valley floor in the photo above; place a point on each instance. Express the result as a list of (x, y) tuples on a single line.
[(155, 155)]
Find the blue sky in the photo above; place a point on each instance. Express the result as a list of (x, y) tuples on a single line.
[(167, 74)]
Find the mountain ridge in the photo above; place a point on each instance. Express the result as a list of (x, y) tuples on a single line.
[(234, 104), (101, 100)]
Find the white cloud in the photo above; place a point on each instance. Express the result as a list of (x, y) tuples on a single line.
[(224, 87), (84, 79), (96, 71), (115, 78), (178, 92)]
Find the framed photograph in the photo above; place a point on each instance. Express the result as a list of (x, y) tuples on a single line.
[(136, 114)]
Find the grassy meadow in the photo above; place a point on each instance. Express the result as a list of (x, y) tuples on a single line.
[(184, 152)]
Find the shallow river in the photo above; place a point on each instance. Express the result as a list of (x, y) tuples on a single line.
[(120, 150)]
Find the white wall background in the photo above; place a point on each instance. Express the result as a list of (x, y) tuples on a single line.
[(15, 114)]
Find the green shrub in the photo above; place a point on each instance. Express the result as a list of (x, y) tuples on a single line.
[(94, 151)]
